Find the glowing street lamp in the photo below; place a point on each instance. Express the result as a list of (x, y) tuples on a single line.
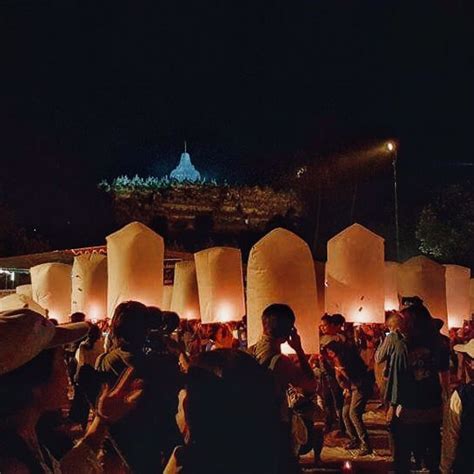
[(391, 147)]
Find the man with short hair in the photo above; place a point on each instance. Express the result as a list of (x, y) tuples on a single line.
[(278, 322), (457, 454)]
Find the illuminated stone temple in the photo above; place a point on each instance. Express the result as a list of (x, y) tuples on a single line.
[(186, 200), (185, 171)]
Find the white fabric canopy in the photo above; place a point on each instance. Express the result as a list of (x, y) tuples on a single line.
[(135, 266), (185, 299), (281, 270), (355, 274), (220, 284), (89, 285), (51, 286)]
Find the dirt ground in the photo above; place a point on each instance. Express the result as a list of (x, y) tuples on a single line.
[(334, 456)]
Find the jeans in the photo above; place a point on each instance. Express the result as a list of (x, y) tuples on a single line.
[(352, 411), (333, 402)]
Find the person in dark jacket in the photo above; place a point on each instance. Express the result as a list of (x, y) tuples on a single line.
[(414, 391)]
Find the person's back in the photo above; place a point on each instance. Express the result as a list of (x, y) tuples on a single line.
[(226, 411), (141, 438), (278, 327), (414, 390)]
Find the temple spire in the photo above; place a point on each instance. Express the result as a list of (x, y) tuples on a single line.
[(185, 171)]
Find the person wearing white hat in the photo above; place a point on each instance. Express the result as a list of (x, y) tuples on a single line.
[(458, 431), (33, 381)]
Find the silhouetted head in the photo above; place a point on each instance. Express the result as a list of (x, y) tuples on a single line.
[(278, 321)]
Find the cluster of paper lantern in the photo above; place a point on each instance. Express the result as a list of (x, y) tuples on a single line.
[(355, 281)]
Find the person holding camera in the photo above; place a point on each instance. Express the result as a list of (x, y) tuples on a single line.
[(138, 335), (278, 322)]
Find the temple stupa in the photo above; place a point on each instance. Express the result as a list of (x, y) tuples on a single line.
[(185, 171)]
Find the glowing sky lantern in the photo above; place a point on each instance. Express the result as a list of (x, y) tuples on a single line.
[(458, 282), (220, 284), (422, 277), (320, 269), (135, 266), (51, 287), (185, 299), (89, 285), (167, 297), (26, 290), (17, 301), (355, 275), (391, 286), (281, 270)]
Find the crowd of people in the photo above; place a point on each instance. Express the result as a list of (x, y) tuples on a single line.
[(146, 392)]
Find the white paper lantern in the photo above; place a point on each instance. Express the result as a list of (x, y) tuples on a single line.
[(167, 297), (422, 277), (471, 293), (51, 287), (458, 282), (281, 270), (20, 301), (26, 290), (185, 299), (391, 286), (89, 285), (220, 284), (135, 266), (355, 275)]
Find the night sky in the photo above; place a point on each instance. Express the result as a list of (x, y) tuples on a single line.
[(93, 89)]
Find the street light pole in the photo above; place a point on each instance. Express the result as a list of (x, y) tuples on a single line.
[(391, 147)]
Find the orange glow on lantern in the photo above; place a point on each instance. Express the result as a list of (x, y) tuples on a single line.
[(135, 266), (422, 277), (391, 286), (51, 287), (281, 270), (185, 298), (89, 285), (220, 284), (458, 280), (355, 275)]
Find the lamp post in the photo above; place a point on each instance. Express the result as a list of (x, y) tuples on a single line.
[(392, 148)]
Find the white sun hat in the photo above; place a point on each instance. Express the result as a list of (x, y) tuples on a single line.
[(24, 334), (466, 348)]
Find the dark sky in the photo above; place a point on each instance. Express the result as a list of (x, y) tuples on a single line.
[(92, 89)]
